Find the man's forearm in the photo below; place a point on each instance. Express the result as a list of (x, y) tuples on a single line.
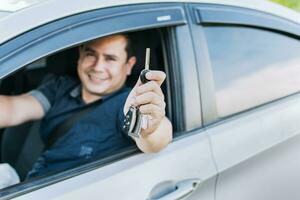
[(5, 112), (157, 140), (15, 110)]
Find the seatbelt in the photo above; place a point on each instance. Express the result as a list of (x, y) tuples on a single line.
[(63, 128)]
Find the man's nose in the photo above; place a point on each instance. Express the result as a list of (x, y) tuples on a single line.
[(100, 65)]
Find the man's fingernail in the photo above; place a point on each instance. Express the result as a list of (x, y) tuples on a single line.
[(148, 75)]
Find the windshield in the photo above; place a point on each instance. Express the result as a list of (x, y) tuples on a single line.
[(14, 5)]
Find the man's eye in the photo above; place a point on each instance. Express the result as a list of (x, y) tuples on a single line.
[(110, 58), (89, 54)]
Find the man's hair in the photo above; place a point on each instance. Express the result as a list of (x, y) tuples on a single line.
[(130, 50)]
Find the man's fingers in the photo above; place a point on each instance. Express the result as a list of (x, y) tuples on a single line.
[(153, 110), (157, 76), (153, 75), (151, 86), (138, 95), (150, 98), (153, 114)]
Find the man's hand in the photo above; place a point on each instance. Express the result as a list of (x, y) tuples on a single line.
[(150, 99)]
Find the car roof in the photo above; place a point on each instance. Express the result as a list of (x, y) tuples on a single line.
[(14, 5), (40, 12)]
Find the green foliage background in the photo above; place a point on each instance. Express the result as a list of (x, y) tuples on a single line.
[(294, 4)]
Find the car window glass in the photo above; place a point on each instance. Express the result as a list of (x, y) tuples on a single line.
[(251, 66)]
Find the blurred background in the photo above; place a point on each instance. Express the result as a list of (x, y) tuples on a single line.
[(293, 4)]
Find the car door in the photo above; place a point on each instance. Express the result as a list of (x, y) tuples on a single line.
[(249, 73), (186, 167)]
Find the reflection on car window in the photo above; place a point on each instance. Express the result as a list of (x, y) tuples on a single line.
[(251, 67)]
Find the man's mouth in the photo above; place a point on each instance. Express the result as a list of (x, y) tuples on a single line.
[(97, 78)]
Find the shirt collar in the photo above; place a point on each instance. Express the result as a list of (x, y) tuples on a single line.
[(76, 92)]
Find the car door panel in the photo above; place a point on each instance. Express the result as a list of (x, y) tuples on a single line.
[(254, 149), (134, 177), (186, 159), (257, 131), (258, 154), (271, 174)]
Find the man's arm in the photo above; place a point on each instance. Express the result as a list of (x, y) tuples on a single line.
[(15, 110), (150, 99), (157, 140)]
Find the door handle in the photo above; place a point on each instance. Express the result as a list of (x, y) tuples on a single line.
[(176, 191)]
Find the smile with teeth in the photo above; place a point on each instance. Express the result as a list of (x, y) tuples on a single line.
[(97, 77)]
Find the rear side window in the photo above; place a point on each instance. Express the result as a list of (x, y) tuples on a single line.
[(251, 66)]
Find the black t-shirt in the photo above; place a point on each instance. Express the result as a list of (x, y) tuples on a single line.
[(97, 134)]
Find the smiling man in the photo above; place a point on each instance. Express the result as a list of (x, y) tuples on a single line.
[(103, 67)]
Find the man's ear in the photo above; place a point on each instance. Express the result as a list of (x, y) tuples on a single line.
[(130, 63)]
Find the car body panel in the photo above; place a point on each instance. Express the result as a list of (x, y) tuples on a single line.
[(144, 170), (255, 132), (134, 177), (271, 174), (3, 14), (26, 19), (250, 155), (258, 152), (11, 6), (70, 31), (254, 150)]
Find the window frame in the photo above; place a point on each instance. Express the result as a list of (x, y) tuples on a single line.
[(220, 15), (69, 31)]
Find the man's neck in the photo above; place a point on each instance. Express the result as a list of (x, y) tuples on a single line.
[(88, 97)]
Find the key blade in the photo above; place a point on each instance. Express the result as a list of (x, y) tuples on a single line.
[(147, 60)]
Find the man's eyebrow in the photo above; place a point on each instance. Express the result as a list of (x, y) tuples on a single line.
[(89, 49), (111, 56)]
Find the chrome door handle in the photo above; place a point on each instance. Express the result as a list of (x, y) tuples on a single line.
[(182, 190)]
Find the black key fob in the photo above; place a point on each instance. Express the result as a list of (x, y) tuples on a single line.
[(143, 76)]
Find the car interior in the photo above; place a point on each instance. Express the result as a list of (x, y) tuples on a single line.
[(21, 145)]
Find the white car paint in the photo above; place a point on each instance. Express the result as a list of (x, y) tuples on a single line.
[(117, 180), (26, 19), (14, 5), (239, 144)]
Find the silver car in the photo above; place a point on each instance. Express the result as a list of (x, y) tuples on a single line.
[(232, 92)]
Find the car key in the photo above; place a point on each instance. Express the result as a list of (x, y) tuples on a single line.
[(133, 121), (146, 70)]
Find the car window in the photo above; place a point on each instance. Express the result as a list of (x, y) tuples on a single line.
[(60, 64), (250, 66), (52, 50)]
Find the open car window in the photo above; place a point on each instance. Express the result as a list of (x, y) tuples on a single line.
[(52, 51), (21, 151)]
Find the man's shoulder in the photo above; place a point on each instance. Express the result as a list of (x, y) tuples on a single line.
[(58, 83), (63, 80), (53, 88)]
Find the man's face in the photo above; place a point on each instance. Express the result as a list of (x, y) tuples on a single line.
[(103, 66)]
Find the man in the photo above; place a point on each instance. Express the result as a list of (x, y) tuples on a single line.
[(103, 66)]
